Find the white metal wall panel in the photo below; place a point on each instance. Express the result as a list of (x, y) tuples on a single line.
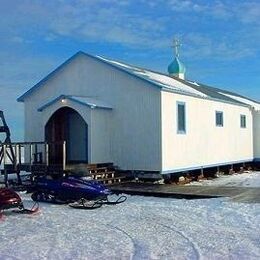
[(256, 118), (204, 143)]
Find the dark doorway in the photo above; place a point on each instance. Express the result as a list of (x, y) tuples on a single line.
[(66, 124)]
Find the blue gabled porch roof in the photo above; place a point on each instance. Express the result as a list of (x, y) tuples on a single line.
[(85, 101)]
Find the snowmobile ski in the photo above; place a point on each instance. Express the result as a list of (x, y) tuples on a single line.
[(121, 199), (22, 210), (86, 204), (89, 204)]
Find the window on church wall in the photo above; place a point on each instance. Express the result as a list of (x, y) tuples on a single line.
[(219, 118), (181, 118), (242, 121)]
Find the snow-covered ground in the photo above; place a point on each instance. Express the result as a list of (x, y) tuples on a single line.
[(140, 228), (246, 179)]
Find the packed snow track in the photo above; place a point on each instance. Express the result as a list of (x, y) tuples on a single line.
[(140, 228)]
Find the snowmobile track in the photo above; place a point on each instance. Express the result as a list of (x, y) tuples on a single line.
[(182, 234), (193, 245), (136, 247)]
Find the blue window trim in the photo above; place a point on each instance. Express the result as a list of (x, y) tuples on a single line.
[(241, 122), (177, 118), (219, 112)]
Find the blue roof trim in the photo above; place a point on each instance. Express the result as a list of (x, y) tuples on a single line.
[(206, 98), (89, 104), (40, 109)]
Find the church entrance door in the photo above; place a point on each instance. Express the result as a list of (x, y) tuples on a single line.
[(66, 124)]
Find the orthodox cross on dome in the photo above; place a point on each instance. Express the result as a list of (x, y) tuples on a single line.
[(176, 45), (176, 68)]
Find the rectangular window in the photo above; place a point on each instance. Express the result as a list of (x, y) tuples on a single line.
[(219, 118), (242, 121), (181, 117)]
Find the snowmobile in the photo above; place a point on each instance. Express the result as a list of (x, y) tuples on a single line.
[(78, 192), (10, 199)]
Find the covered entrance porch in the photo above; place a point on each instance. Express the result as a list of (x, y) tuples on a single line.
[(66, 124), (83, 123)]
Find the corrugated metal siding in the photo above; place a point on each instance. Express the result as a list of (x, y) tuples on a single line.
[(135, 121), (135, 126), (33, 123), (101, 150)]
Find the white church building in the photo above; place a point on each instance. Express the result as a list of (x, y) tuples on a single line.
[(139, 119)]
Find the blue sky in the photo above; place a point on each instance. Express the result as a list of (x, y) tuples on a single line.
[(220, 41)]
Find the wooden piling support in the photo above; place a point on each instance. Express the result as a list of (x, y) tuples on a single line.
[(20, 154), (35, 153), (64, 156), (47, 154), (30, 156), (5, 170), (15, 157), (202, 172)]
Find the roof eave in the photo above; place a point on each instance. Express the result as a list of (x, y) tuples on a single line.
[(92, 106), (206, 98)]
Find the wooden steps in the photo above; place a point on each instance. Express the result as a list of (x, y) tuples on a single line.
[(105, 173), (115, 180)]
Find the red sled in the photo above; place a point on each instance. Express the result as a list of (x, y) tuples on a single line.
[(10, 199)]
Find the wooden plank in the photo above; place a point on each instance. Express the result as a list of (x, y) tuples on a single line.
[(188, 192), (119, 178), (111, 181), (104, 172), (102, 176)]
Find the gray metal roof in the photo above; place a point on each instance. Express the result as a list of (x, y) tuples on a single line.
[(159, 80), (209, 91), (201, 89)]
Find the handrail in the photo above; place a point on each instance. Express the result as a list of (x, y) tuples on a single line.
[(28, 143)]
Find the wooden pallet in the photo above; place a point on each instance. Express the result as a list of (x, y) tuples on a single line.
[(110, 181), (105, 173)]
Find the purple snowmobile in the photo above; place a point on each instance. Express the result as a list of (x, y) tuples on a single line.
[(76, 191)]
